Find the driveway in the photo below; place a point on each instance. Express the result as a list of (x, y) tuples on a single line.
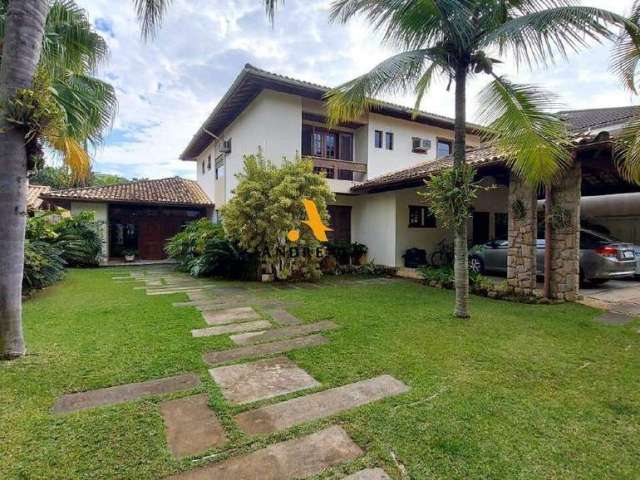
[(619, 296)]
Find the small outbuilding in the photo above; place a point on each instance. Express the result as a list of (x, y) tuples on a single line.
[(138, 216)]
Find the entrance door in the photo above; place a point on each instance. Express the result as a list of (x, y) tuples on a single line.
[(340, 223), (480, 227)]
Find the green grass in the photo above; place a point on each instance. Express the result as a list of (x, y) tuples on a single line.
[(519, 391)]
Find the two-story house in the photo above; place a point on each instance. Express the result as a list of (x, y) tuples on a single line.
[(285, 117)]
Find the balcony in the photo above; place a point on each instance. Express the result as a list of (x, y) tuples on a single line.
[(341, 174)]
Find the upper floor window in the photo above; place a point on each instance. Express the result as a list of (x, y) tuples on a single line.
[(323, 143), (203, 167), (421, 217), (378, 138), (209, 162), (388, 137), (445, 147), (219, 172)]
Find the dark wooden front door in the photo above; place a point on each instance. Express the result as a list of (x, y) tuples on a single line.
[(146, 228), (340, 223), (480, 227)]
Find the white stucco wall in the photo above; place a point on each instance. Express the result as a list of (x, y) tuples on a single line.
[(101, 214), (373, 219), (381, 160)]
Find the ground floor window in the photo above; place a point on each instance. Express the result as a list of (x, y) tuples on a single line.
[(501, 228), (421, 217)]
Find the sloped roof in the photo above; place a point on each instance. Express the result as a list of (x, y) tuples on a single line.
[(595, 118), (481, 156), (175, 191), (251, 81), (34, 202)]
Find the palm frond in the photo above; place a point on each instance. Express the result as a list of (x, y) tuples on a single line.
[(150, 15), (270, 7), (73, 154), (70, 42), (627, 152), (410, 23), (538, 38), (397, 73), (533, 141), (423, 85), (626, 53), (89, 106)]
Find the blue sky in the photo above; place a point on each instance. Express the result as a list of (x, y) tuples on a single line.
[(168, 86)]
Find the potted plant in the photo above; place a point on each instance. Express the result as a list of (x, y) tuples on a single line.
[(129, 255), (359, 253)]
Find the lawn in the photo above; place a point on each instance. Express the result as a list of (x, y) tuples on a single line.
[(519, 391)]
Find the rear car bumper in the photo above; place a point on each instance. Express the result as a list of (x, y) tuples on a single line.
[(605, 267)]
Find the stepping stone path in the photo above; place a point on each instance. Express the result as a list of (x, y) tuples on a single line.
[(614, 318), (294, 459), (280, 416), (232, 328), (369, 474), (191, 426), (250, 382), (283, 317), (282, 333), (230, 315), (264, 349), (124, 393)]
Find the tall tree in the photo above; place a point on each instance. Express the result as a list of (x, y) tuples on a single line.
[(24, 32), (457, 40)]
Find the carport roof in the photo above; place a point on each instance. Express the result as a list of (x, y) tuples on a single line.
[(174, 191)]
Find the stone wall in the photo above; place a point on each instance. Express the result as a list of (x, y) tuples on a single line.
[(565, 255), (521, 261)]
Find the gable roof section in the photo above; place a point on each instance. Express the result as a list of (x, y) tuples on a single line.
[(251, 81), (34, 202), (175, 191), (595, 118)]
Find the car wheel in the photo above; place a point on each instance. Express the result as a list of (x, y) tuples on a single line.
[(476, 265)]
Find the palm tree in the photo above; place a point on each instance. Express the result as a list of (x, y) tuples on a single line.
[(456, 39), (23, 35)]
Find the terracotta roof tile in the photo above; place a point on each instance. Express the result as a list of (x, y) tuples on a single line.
[(34, 202), (166, 191), (594, 118)]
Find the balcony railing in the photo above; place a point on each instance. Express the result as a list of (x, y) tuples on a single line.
[(339, 169)]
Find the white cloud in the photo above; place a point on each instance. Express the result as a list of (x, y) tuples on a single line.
[(168, 86)]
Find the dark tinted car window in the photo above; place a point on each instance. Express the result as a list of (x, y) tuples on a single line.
[(589, 240)]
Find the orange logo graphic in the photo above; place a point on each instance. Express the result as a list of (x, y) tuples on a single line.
[(314, 222)]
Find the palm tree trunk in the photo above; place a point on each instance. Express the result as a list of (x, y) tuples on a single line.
[(24, 29), (461, 269)]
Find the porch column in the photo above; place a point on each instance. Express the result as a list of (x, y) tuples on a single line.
[(521, 258), (565, 235)]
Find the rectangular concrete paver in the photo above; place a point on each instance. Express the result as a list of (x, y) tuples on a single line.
[(232, 328), (230, 315), (264, 349), (294, 459), (282, 333), (283, 415), (283, 317), (191, 426), (369, 474), (250, 382), (124, 393)]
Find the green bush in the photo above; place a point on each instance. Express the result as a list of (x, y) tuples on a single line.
[(43, 265), (442, 276), (202, 249), (78, 239)]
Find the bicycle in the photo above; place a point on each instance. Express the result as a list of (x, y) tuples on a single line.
[(443, 255)]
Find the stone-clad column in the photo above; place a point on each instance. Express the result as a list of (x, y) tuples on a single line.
[(565, 255), (521, 260)]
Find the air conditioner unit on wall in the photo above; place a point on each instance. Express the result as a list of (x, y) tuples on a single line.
[(226, 146), (421, 145)]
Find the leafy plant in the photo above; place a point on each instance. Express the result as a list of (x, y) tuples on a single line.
[(43, 265), (267, 205), (79, 240), (450, 195), (202, 249)]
